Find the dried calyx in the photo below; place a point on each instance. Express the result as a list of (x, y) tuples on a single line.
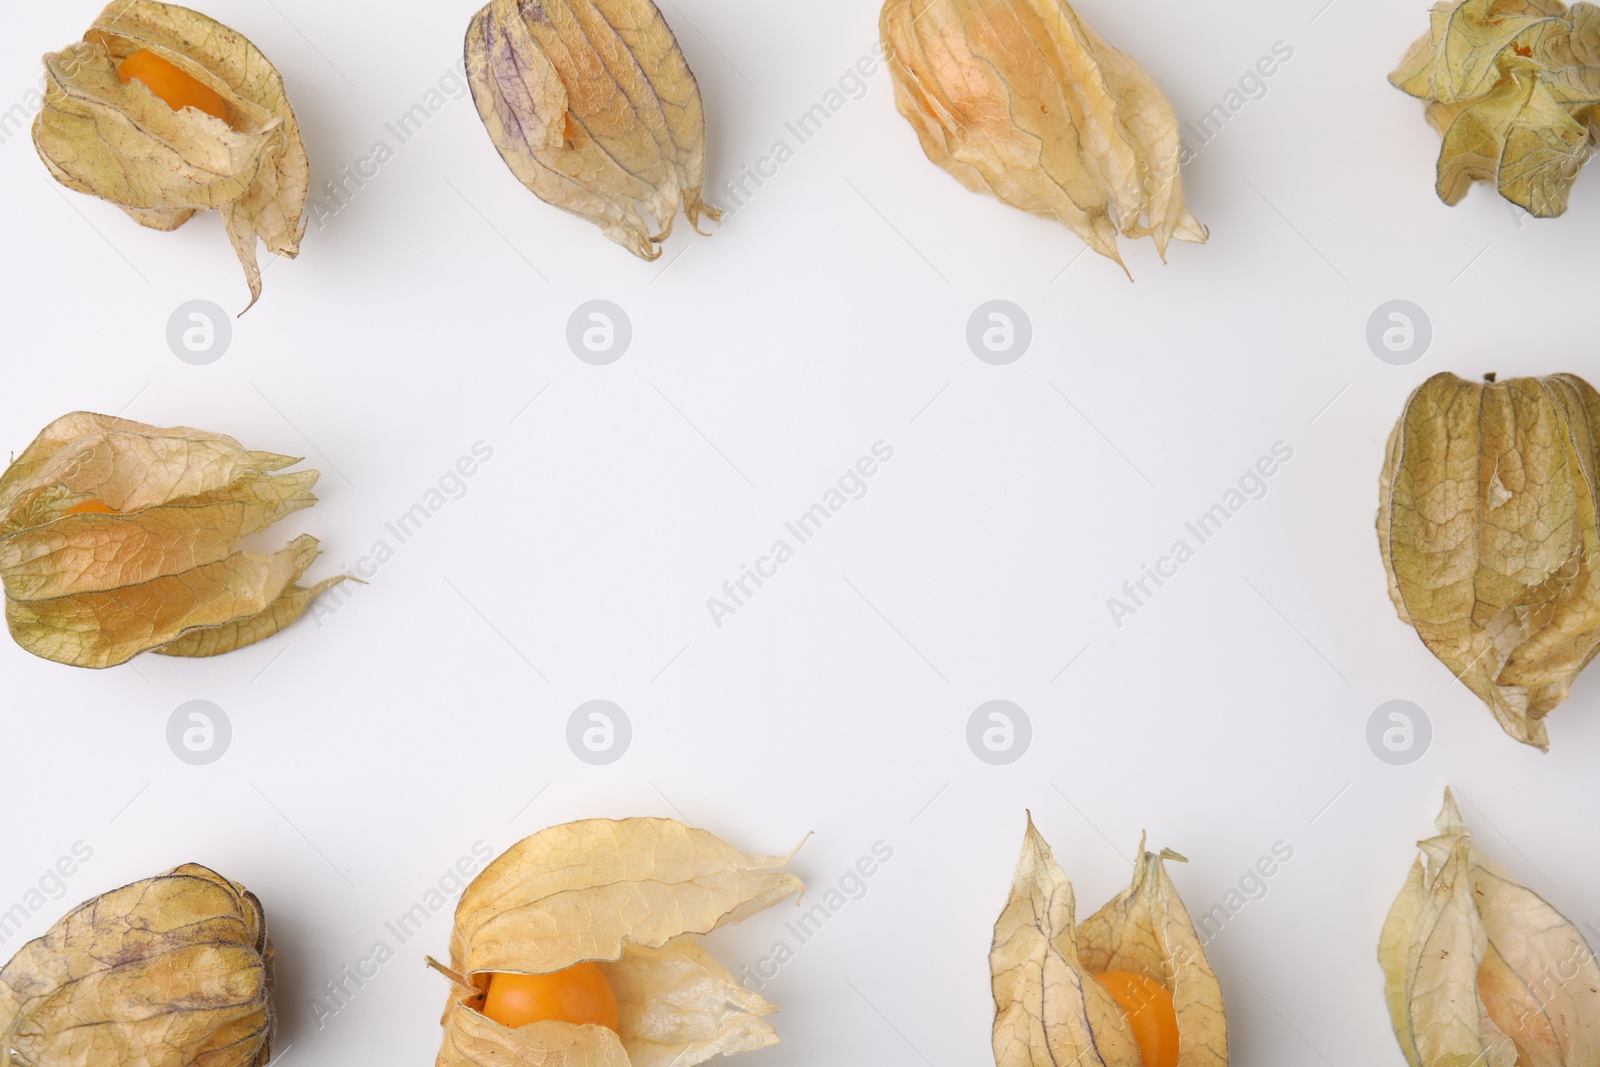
[(173, 971), (118, 538), (166, 112), (1480, 970), (594, 108), (1128, 987), (1514, 88), (1489, 527), (578, 947), (1024, 100)]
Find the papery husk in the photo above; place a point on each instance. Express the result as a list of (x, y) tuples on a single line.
[(165, 575), (594, 108), (632, 896), (1513, 86), (1050, 1010), (120, 142), (173, 971), (1489, 531), (1024, 100), (1480, 970)]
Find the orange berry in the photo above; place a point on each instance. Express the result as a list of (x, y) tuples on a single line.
[(175, 87), (577, 995), (91, 507), (1151, 1017)]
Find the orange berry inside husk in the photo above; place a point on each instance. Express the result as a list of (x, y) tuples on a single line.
[(579, 995), (176, 88), (91, 507), (1152, 1019)]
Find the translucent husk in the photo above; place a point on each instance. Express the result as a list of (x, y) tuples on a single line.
[(1050, 1010), (1514, 88), (1489, 531), (632, 896), (163, 572), (120, 142), (594, 108), (1479, 971), (172, 971), (1024, 100)]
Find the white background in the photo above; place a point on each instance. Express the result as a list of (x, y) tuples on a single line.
[(371, 751)]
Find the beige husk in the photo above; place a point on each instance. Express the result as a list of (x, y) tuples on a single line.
[(1487, 524), (1514, 88), (594, 108), (173, 971), (120, 142), (1479, 971), (632, 896), (1049, 1010), (165, 573), (1022, 99)]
